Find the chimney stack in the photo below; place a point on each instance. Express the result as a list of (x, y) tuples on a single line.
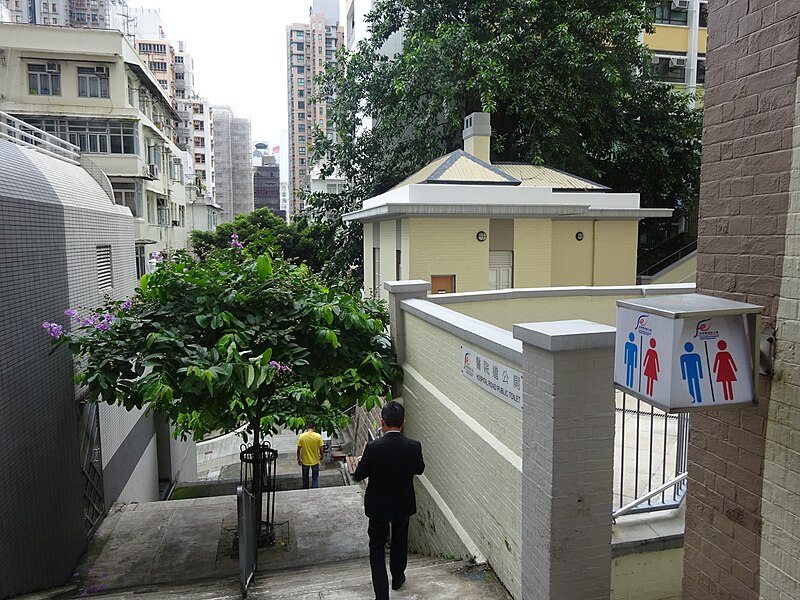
[(477, 133)]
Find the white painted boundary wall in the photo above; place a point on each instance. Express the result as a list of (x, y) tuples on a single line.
[(470, 494), (528, 491)]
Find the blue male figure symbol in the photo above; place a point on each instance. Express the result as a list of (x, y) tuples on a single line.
[(629, 358), (692, 371)]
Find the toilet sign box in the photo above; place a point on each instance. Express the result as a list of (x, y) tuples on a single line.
[(686, 352)]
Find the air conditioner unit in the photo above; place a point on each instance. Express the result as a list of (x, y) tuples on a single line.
[(101, 70), (153, 171), (680, 4), (53, 68), (677, 62), (655, 60)]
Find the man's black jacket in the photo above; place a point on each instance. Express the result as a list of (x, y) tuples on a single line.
[(390, 462)]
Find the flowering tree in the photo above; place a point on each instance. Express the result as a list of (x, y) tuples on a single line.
[(234, 340)]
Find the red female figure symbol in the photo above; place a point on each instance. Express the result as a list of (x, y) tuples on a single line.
[(651, 367), (725, 369)]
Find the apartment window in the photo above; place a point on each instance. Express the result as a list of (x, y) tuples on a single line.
[(300, 46), (298, 58), (94, 18), (301, 150), (162, 212), (44, 79), (671, 69), (93, 82), (319, 37), (178, 75), (704, 14), (301, 116), (302, 162), (197, 109), (701, 70), (153, 48), (131, 93), (53, 5), (301, 138), (301, 81), (199, 142), (103, 137), (54, 21), (300, 70), (302, 172), (157, 66), (105, 280), (199, 158), (141, 262), (199, 125), (163, 83), (45, 7), (301, 104), (45, 21), (301, 93), (179, 60), (80, 17), (665, 14), (127, 194), (301, 127)]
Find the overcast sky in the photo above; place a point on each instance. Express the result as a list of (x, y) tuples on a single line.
[(239, 53)]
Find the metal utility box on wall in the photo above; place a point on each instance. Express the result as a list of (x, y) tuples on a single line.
[(687, 352)]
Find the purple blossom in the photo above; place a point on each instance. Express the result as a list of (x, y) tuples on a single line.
[(72, 314), (156, 255), (235, 243), (279, 368), (54, 329), (126, 305)]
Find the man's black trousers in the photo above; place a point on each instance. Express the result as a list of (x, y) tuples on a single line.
[(398, 553)]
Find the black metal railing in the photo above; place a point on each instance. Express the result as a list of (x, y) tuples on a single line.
[(255, 495), (248, 537), (650, 457)]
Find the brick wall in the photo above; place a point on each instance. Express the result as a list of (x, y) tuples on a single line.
[(751, 91), (472, 446)]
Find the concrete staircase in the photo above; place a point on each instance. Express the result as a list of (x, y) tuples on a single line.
[(426, 578)]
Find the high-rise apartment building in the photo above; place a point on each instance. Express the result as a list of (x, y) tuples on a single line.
[(266, 180), (92, 14), (679, 43), (310, 46), (233, 163)]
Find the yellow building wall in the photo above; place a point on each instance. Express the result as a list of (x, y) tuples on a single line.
[(404, 248), (682, 272), (368, 259), (533, 246), (674, 38), (449, 246), (388, 254), (572, 260), (504, 313), (615, 251), (648, 576)]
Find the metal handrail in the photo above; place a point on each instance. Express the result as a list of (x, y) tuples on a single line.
[(651, 494), (23, 134), (668, 260)]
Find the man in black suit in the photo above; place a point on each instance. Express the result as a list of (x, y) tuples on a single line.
[(390, 462)]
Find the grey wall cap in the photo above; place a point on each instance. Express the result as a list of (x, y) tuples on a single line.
[(475, 332), (686, 306), (557, 336), (408, 287), (477, 123), (565, 292)]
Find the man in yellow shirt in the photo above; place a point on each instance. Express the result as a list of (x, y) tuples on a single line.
[(310, 450)]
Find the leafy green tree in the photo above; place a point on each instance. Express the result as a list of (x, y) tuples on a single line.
[(568, 84), (263, 231), (235, 339)]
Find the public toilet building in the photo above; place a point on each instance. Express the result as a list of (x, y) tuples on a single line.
[(465, 224)]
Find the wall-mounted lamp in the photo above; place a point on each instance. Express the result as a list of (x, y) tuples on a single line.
[(579, 236), (481, 236)]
